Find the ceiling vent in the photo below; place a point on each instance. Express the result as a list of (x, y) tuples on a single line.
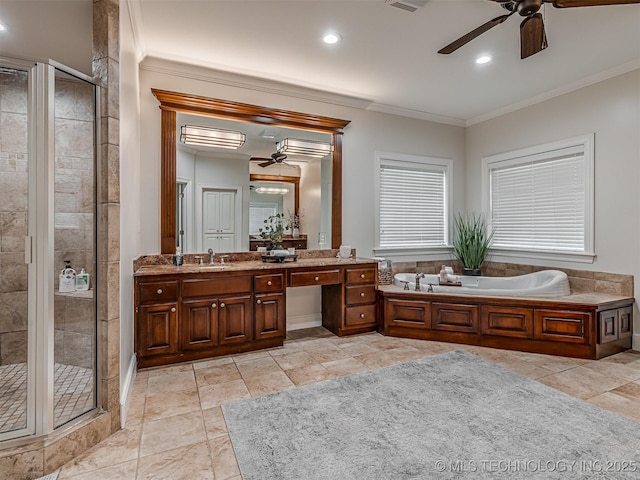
[(407, 5)]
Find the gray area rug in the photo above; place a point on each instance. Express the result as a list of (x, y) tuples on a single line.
[(453, 415)]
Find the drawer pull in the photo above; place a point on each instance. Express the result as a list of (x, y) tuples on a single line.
[(173, 309), (362, 294), (213, 305), (362, 275), (362, 315), (159, 292), (222, 305), (258, 301), (316, 278), (269, 282)]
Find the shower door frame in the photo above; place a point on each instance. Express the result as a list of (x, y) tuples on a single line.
[(39, 249)]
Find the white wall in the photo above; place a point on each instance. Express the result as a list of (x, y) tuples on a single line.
[(611, 110), (130, 210)]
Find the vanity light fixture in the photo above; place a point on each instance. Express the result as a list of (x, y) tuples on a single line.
[(311, 148), (211, 137), (272, 190)]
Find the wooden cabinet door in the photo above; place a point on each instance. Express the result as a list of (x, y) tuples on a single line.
[(199, 324), (269, 315), (514, 322), (157, 330), (407, 314), (234, 319), (562, 326), (454, 317)]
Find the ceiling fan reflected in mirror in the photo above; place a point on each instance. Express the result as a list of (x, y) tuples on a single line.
[(276, 158), (533, 38)]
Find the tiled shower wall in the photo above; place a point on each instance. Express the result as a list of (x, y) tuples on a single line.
[(13, 217), (74, 218)]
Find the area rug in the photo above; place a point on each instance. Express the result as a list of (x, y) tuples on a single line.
[(453, 415)]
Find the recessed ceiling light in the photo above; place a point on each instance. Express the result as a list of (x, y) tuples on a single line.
[(331, 38), (2, 27), (483, 59)]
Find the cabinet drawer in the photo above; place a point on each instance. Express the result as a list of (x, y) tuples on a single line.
[(322, 277), (562, 326), (361, 275), (153, 292), (360, 315), (215, 286), (356, 295), (268, 283)]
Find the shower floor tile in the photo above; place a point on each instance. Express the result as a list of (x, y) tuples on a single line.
[(73, 394)]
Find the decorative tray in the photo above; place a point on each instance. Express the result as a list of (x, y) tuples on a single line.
[(450, 284), (279, 258)]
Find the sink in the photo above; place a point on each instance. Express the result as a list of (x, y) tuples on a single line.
[(212, 268)]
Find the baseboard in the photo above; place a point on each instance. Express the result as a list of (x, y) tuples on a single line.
[(127, 390), (635, 342), (298, 322)]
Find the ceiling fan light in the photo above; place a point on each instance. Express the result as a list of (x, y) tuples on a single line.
[(211, 137), (308, 148), (272, 190)]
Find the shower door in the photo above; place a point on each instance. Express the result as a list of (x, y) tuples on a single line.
[(16, 375)]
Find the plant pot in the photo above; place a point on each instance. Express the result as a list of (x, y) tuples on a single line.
[(471, 272), (295, 233)]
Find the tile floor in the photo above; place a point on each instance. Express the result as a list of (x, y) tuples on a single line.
[(175, 428), (73, 394)]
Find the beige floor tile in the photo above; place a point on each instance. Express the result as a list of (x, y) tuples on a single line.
[(215, 395), (172, 432), (346, 366), (582, 382), (214, 362), (376, 360), (215, 375), (628, 371), (169, 404), (623, 357), (225, 465), (297, 359), (135, 413), (309, 374), (184, 463), (214, 423), (170, 370), (287, 348), (122, 446), (618, 404), (121, 471), (629, 390), (268, 383), (328, 355), (257, 366), (175, 382), (356, 348), (526, 368), (250, 356)]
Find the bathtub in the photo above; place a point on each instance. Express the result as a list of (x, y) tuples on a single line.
[(546, 283)]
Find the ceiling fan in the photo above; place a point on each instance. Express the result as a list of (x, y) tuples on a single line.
[(276, 157), (532, 35)]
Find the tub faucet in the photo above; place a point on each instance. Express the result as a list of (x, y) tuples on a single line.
[(418, 277), (211, 257)]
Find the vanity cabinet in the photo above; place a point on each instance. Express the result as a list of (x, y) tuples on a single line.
[(157, 325), (556, 327)]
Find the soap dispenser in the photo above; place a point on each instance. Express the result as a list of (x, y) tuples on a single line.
[(67, 278), (82, 281), (443, 274)]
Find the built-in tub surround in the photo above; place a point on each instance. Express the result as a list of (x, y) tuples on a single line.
[(545, 283)]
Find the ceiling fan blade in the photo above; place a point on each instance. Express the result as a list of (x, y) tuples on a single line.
[(267, 163), (590, 3), (532, 36), (452, 47)]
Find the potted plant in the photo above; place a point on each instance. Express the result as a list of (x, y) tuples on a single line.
[(273, 230), (471, 242)]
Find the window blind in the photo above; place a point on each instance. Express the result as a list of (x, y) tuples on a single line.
[(540, 202), (258, 213), (411, 205)]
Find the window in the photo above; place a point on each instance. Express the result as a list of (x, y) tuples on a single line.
[(540, 199), (412, 203), (258, 213)]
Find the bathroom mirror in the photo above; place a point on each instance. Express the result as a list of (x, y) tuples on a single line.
[(178, 109)]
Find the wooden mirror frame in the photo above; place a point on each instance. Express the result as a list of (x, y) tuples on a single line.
[(173, 102)]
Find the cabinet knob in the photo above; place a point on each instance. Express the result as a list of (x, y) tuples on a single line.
[(222, 305), (269, 283), (213, 305), (362, 294), (362, 315), (159, 291), (173, 309), (258, 301), (362, 275), (317, 278)]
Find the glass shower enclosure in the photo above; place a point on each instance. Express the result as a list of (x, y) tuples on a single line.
[(48, 213)]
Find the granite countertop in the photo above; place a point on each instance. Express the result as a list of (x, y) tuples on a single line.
[(584, 298), (249, 265)]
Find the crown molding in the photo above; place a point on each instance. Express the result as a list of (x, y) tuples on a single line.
[(568, 88), (417, 114), (135, 15)]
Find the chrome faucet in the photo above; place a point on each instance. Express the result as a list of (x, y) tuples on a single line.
[(418, 277), (211, 257), (200, 259), (222, 257)]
